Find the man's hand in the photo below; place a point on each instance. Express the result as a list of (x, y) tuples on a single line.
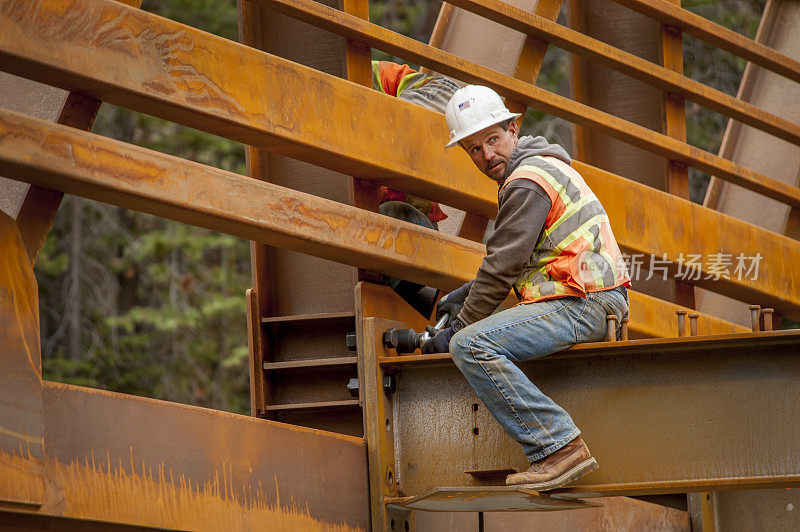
[(441, 342), (452, 303)]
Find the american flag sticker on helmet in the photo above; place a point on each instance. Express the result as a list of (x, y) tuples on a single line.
[(463, 105)]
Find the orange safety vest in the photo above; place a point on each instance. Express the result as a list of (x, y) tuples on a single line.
[(577, 252)]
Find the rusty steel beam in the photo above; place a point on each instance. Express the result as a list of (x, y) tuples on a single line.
[(370, 140), (95, 167), (88, 165), (650, 221), (188, 76), (11, 520), (21, 417), (38, 209), (137, 461), (112, 172), (323, 131), (631, 65), (649, 346), (717, 35), (660, 416), (536, 97)]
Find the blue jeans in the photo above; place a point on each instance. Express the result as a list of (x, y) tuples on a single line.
[(487, 350)]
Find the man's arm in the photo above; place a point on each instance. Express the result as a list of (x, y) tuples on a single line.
[(519, 225)]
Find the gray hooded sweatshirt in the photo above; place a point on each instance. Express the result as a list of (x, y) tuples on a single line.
[(522, 210)]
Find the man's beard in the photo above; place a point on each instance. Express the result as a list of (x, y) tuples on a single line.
[(499, 177)]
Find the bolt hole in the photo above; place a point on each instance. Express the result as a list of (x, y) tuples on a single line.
[(392, 524), (405, 525), (474, 407), (476, 431), (388, 425), (708, 497), (390, 477)]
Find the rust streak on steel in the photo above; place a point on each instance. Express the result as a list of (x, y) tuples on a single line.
[(21, 425), (184, 467), (536, 97), (84, 164)]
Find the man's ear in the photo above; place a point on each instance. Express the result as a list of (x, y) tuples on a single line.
[(513, 128)]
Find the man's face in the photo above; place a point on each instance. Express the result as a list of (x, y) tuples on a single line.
[(491, 148)]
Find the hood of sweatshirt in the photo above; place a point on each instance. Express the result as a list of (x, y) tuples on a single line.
[(530, 146)]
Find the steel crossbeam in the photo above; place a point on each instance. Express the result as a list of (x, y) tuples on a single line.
[(328, 131), (76, 162), (536, 97), (719, 36), (660, 416), (149, 74), (130, 460)]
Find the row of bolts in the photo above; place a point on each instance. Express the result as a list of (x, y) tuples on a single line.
[(755, 323)]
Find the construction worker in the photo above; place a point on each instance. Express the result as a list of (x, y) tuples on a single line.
[(553, 243), (431, 92)]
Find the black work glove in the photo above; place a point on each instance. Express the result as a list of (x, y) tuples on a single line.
[(441, 342), (452, 303)]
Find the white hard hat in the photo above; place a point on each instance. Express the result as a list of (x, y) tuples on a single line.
[(472, 109)]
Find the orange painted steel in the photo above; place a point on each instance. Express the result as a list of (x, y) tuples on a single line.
[(717, 35), (219, 98), (536, 97), (121, 174), (627, 63)]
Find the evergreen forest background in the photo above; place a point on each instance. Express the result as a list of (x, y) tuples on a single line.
[(141, 305)]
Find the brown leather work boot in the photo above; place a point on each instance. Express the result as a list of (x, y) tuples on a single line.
[(569, 463)]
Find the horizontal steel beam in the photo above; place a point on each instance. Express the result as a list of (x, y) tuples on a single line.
[(631, 65), (138, 60), (88, 165), (81, 163), (660, 416), (649, 346), (149, 74), (719, 36), (327, 129), (536, 97), (648, 221), (131, 460)]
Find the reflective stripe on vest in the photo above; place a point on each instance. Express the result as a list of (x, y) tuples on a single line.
[(577, 252)]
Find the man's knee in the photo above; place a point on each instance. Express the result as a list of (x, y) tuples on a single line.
[(458, 344), (465, 345)]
